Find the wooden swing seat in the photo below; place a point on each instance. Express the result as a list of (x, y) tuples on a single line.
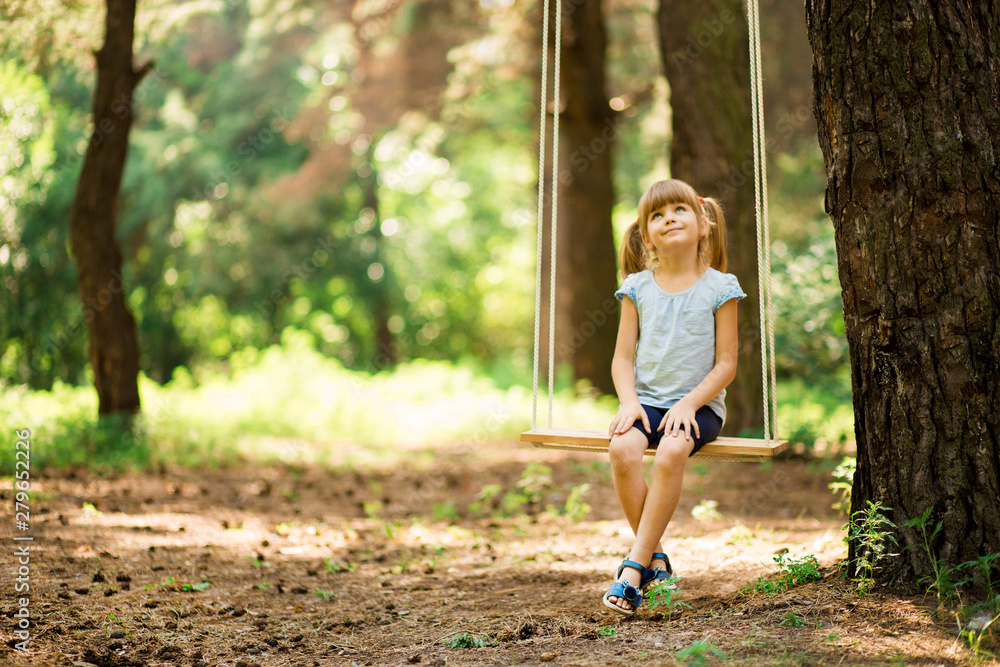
[(724, 449)]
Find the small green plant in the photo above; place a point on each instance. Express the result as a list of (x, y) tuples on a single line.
[(698, 653), (870, 532), (204, 585), (739, 534), (444, 511), (468, 640), (262, 585), (706, 510), (843, 476), (941, 583), (371, 508), (575, 507), (607, 631), (337, 566), (486, 499), (113, 620), (663, 594), (792, 619), (535, 482), (324, 595), (793, 572)]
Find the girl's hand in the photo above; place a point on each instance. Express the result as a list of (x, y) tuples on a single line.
[(627, 414), (682, 414)]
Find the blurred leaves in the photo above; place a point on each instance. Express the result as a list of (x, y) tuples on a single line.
[(358, 177)]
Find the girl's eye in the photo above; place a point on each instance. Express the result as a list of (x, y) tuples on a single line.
[(657, 215), (679, 209)]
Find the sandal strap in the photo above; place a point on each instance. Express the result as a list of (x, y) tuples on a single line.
[(632, 564)]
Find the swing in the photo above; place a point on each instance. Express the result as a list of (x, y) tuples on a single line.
[(582, 440)]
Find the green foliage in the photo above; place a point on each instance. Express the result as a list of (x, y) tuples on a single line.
[(663, 594), (266, 404), (267, 192), (468, 640), (698, 654), (941, 582), (792, 619), (607, 631), (812, 408), (706, 510), (843, 483), (792, 572), (870, 532)]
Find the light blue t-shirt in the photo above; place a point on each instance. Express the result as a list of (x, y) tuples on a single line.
[(676, 348)]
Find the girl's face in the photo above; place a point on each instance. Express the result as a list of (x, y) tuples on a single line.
[(674, 226)]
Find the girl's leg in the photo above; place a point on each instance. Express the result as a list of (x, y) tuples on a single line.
[(660, 502), (626, 452)]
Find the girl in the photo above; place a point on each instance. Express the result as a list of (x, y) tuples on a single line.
[(676, 353)]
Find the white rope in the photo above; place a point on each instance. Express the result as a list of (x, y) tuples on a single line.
[(541, 212), (766, 305), (553, 218)]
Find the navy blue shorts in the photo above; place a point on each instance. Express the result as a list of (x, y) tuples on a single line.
[(709, 424)]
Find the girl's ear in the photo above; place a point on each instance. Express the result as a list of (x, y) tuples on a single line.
[(706, 226)]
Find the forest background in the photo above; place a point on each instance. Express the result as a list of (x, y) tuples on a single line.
[(328, 211)]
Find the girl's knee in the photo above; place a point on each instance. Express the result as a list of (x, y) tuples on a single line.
[(672, 452), (626, 450)]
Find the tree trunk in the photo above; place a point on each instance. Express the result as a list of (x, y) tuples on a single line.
[(705, 51), (114, 348), (908, 119), (586, 310), (387, 352)]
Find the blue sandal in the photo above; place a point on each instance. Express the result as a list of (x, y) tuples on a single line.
[(625, 591), (657, 576)]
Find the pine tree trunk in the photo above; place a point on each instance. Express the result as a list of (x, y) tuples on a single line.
[(114, 347), (705, 51), (586, 310), (909, 123)]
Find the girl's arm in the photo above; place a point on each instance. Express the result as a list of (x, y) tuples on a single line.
[(726, 353), (623, 372)]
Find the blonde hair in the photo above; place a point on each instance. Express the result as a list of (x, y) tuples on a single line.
[(711, 249)]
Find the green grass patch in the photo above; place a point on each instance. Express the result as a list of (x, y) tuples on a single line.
[(291, 404)]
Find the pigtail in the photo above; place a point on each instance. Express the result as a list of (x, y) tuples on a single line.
[(713, 250), (633, 252)]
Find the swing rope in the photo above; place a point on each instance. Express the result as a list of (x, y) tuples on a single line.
[(769, 382), (553, 226), (727, 449)]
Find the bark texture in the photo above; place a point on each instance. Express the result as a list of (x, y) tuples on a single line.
[(907, 104), (705, 51), (586, 310), (114, 347)]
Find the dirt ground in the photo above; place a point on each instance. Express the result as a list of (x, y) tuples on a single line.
[(394, 563)]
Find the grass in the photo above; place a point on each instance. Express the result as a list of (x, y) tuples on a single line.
[(291, 404)]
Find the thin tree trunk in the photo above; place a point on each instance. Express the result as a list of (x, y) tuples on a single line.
[(705, 51), (586, 310), (114, 347), (908, 120), (388, 350)]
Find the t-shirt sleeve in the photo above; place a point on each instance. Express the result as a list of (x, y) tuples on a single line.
[(627, 288), (729, 289)]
